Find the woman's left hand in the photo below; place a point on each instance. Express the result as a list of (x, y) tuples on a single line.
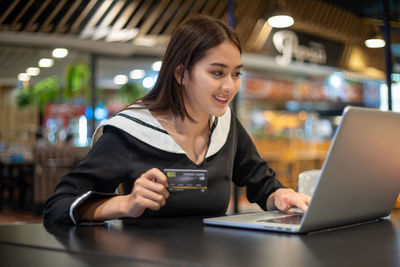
[(286, 198)]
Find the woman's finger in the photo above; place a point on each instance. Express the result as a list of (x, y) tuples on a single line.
[(156, 175), (152, 186), (286, 199), (151, 195)]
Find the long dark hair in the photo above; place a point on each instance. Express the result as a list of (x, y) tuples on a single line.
[(188, 44)]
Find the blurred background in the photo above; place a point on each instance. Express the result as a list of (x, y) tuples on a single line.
[(66, 66)]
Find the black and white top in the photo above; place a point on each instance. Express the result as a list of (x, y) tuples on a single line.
[(133, 141)]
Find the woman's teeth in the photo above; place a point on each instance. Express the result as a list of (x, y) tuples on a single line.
[(221, 98)]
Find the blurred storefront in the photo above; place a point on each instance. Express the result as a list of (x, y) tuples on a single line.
[(293, 93), (295, 85)]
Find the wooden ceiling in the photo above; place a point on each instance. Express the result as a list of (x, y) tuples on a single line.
[(156, 19), (149, 23)]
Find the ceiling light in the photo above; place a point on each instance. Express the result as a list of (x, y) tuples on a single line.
[(148, 82), (280, 18), (33, 71), (46, 62), (375, 43), (23, 77), (280, 21), (120, 79), (375, 38), (137, 74), (60, 52), (156, 66)]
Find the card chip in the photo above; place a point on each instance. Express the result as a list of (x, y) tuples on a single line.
[(171, 174)]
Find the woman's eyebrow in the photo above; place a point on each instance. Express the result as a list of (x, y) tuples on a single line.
[(225, 66)]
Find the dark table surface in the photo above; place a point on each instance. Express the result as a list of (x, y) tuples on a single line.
[(187, 242)]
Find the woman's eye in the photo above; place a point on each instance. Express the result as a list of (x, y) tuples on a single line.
[(218, 73), (237, 74)]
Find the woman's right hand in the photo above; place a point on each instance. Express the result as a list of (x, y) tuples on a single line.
[(149, 192)]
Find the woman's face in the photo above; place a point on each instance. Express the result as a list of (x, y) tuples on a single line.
[(213, 81)]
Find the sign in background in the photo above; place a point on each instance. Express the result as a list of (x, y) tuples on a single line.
[(288, 46)]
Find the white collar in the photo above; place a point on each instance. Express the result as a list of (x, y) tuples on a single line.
[(141, 124)]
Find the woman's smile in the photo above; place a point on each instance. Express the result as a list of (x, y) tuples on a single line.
[(221, 99), (213, 81)]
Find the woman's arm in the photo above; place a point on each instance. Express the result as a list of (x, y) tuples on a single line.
[(149, 192), (96, 177), (250, 169), (262, 187)]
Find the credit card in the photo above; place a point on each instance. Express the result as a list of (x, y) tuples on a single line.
[(184, 179)]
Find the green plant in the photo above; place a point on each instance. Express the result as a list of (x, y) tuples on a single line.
[(24, 97), (46, 90), (42, 92), (77, 81)]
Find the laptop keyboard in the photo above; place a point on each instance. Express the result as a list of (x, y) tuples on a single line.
[(290, 219)]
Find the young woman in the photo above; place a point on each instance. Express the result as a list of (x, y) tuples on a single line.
[(184, 122)]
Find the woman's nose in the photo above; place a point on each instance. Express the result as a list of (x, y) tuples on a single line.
[(230, 83)]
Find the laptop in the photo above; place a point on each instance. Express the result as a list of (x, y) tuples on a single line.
[(359, 180)]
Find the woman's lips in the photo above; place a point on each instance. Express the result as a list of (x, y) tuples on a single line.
[(221, 99)]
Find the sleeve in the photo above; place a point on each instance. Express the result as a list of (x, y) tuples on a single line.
[(96, 176), (251, 170)]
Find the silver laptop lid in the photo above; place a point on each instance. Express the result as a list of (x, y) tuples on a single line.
[(360, 178)]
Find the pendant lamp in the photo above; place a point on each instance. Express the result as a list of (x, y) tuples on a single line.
[(280, 18), (375, 39)]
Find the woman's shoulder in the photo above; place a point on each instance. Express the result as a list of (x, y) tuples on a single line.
[(140, 124), (123, 121)]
